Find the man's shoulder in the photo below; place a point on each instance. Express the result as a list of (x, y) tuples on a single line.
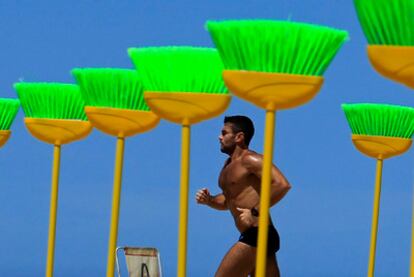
[(250, 158), (252, 154)]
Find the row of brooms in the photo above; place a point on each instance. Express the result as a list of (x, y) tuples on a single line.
[(275, 65)]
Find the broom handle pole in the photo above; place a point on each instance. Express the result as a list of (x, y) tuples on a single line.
[(375, 215), (265, 194), (53, 211), (184, 183), (116, 198), (412, 245)]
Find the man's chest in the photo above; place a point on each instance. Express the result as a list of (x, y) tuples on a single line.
[(233, 177)]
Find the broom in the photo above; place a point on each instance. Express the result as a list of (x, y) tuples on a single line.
[(184, 86), (53, 114), (379, 131), (8, 111), (275, 65), (388, 26), (115, 105)]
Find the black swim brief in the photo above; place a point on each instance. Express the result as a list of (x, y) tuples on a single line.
[(249, 237)]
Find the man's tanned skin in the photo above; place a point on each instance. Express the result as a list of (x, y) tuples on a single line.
[(240, 180)]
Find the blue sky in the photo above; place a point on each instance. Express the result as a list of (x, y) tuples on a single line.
[(324, 221)]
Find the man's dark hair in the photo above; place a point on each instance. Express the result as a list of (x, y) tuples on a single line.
[(241, 123)]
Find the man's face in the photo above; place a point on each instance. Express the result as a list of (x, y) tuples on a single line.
[(227, 139)]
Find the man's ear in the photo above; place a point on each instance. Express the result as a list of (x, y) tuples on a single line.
[(240, 137)]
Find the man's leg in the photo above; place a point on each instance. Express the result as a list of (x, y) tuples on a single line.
[(238, 262), (272, 269)]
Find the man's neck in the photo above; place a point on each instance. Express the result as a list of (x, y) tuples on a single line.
[(238, 152)]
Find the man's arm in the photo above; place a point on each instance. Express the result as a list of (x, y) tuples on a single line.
[(279, 185), (217, 202)]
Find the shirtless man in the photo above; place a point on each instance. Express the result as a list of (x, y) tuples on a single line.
[(240, 181)]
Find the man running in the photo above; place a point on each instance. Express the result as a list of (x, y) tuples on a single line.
[(240, 180)]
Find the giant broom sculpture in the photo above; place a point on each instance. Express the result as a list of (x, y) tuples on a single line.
[(115, 105), (8, 111), (184, 86), (388, 26), (275, 65), (379, 131), (53, 114)]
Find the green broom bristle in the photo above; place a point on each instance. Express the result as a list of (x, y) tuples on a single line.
[(8, 111), (179, 69), (51, 100), (387, 22), (380, 119), (111, 88), (276, 46)]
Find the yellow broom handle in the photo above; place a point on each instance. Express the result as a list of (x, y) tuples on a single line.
[(116, 197), (182, 230), (53, 211), (375, 214), (412, 245), (265, 194)]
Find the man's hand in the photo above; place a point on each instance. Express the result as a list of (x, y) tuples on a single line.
[(203, 196), (247, 218)]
